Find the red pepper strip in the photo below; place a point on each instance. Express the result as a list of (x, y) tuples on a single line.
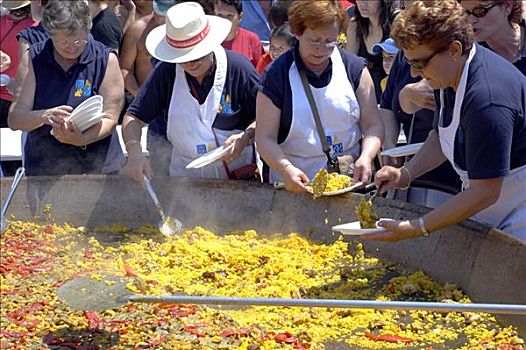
[(194, 331), (268, 335), (130, 272), (12, 334), (179, 310), (509, 347), (158, 341), (154, 323), (390, 338), (196, 325), (262, 285), (231, 332), (301, 346), (285, 338), (48, 229)]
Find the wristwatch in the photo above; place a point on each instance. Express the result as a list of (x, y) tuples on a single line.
[(422, 226)]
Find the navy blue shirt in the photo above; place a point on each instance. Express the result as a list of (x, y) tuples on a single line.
[(45, 155), (107, 28), (275, 82), (399, 77), (491, 138), (33, 35), (155, 93)]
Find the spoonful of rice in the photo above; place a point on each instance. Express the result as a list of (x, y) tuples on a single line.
[(168, 225)]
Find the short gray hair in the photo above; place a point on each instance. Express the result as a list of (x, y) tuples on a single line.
[(72, 16)]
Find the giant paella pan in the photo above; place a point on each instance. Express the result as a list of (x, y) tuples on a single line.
[(243, 240)]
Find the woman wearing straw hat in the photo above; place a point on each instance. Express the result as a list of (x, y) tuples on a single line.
[(207, 94)]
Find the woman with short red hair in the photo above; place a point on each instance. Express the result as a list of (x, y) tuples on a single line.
[(287, 135)]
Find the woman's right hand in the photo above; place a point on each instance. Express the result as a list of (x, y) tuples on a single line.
[(388, 177), (136, 167), (295, 180)]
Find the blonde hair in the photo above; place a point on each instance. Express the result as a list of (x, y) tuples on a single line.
[(435, 23), (315, 14)]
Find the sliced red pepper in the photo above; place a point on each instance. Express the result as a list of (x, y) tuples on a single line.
[(163, 338), (390, 338), (268, 335), (194, 331), (262, 285), (130, 272), (285, 337), (88, 255), (509, 347), (48, 229)]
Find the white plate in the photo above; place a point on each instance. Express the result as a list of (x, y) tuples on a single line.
[(353, 228), (403, 151), (209, 157), (86, 124), (97, 99), (86, 114)]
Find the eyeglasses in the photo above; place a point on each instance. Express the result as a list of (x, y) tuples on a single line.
[(67, 43), (480, 11), (319, 45), (422, 63)]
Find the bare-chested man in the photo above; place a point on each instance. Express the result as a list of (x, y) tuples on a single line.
[(128, 11), (135, 59)]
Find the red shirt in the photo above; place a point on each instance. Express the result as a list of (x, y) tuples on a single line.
[(348, 3), (9, 45), (263, 62), (246, 43)]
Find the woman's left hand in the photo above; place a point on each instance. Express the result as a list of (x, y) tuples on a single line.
[(240, 141), (69, 133), (396, 231), (362, 169)]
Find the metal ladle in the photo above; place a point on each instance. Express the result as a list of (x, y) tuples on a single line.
[(168, 225), (18, 175)]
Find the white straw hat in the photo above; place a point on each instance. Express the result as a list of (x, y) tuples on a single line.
[(188, 34)]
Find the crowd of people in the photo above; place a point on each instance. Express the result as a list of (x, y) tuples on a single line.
[(289, 87)]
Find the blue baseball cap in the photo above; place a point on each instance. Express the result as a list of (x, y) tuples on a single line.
[(388, 46), (160, 7)]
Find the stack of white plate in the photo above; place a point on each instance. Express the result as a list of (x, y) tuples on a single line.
[(88, 113)]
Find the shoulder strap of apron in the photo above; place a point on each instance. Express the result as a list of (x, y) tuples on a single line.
[(332, 164)]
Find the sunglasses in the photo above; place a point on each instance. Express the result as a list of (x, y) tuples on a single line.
[(480, 11), (422, 63)]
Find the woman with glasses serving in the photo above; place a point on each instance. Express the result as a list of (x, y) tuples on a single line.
[(343, 92), (499, 26), (480, 123), (64, 71)]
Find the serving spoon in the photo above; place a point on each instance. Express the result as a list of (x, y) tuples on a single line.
[(18, 175), (168, 225)]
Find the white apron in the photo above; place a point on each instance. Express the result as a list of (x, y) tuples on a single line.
[(189, 127), (339, 113), (509, 212)]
